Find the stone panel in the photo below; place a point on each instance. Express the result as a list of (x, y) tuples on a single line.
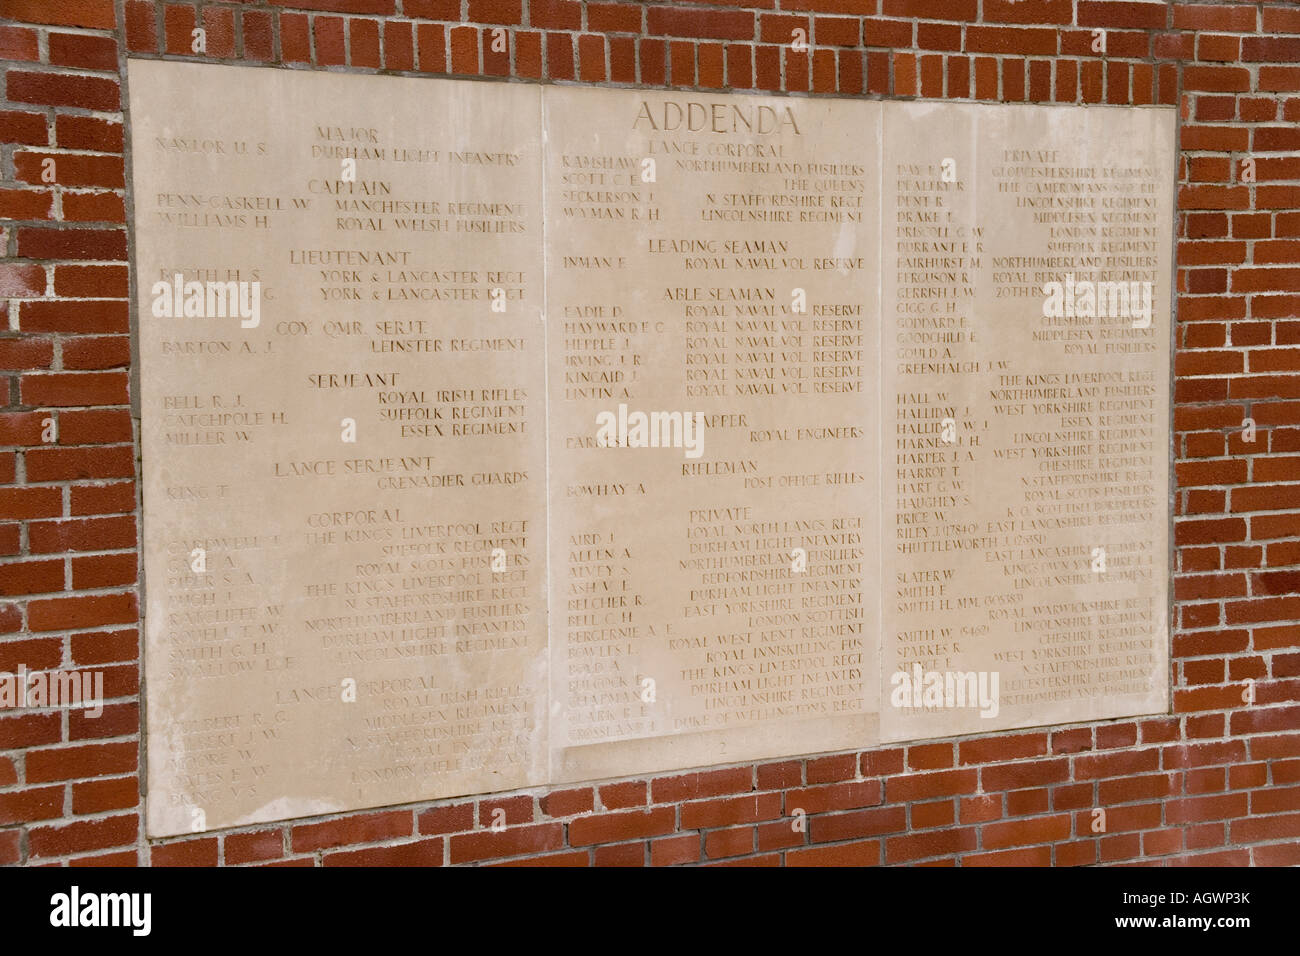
[(713, 258), (1024, 455), (400, 301)]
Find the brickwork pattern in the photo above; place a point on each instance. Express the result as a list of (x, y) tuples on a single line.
[(1216, 782)]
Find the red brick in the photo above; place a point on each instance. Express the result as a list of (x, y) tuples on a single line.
[(572, 858), (986, 78), (77, 762), (922, 786), (1093, 766), (19, 43), (512, 841), (141, 27), (94, 244), (724, 843), (95, 14), (104, 571), (840, 796), (37, 654), (56, 464), (361, 828), (69, 169), (559, 56), (831, 769), (674, 850), (620, 796), (30, 577), (886, 33), (591, 58), (61, 614), (344, 6), (694, 786), (99, 796), (726, 812), (83, 51), (363, 43), (1141, 787), (259, 41), (17, 126), (861, 853), (902, 849), (1119, 13), (1011, 40), (931, 9), (1259, 829), (878, 763), (622, 60), (940, 813), (63, 89), (31, 730), (698, 23), (94, 500), (1030, 773), (777, 776), (904, 74), (97, 352), (80, 837), (1031, 856), (1282, 854), (623, 854), (1028, 11), (992, 749), (528, 54), (1209, 754), (552, 14), (515, 810), (567, 803), (496, 11), (614, 17), (681, 56), (105, 647), (448, 819), (89, 316), (26, 806), (613, 827), (418, 853), (1022, 803), (31, 204), (201, 852), (929, 757), (836, 827)]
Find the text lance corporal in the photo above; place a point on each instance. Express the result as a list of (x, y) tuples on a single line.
[(730, 157)]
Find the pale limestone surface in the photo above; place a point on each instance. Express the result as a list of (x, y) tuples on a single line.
[(807, 276), (329, 561), (993, 542), (739, 285)]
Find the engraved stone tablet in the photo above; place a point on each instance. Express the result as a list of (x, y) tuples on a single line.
[(1025, 434), (711, 262), (343, 487), (497, 435)]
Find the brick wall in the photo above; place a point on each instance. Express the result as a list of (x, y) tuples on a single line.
[(1216, 782)]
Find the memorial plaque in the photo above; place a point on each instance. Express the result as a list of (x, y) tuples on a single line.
[(1025, 427), (344, 479), (711, 291), (497, 435)]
